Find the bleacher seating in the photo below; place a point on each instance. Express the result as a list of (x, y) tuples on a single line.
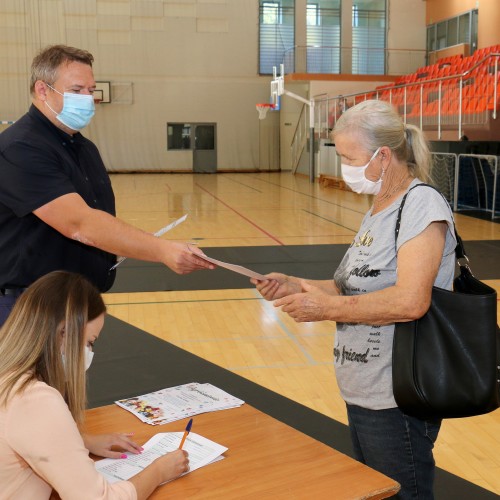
[(453, 87)]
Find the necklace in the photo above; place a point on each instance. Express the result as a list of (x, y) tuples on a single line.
[(381, 199)]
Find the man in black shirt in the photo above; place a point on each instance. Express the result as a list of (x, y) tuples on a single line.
[(57, 208)]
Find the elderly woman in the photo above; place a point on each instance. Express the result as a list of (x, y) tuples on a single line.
[(45, 348), (379, 282)]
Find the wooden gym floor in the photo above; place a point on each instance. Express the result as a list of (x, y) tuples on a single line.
[(236, 329)]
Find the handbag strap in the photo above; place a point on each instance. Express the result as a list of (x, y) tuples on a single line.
[(460, 254)]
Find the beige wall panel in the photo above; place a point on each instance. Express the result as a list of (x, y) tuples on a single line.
[(204, 25), (11, 35), (12, 6), (406, 21), (112, 23), (16, 88), (148, 23), (178, 31), (15, 51), (212, 1), (51, 26), (147, 9), (179, 9), (79, 22), (269, 141), (12, 19), (84, 38), (113, 37), (184, 55), (113, 8), (212, 10), (81, 7)]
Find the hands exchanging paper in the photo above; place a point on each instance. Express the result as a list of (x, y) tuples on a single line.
[(184, 258), (301, 300)]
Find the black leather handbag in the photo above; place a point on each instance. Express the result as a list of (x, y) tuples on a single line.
[(446, 364)]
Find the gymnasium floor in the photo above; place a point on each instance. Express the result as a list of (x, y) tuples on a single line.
[(271, 221)]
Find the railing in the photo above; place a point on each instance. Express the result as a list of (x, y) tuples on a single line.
[(352, 60), (450, 102)]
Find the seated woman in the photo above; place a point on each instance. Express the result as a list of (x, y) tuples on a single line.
[(45, 348)]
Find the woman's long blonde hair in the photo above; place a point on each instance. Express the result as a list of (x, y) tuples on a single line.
[(378, 124), (31, 338)]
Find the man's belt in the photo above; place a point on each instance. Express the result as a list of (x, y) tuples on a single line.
[(12, 291)]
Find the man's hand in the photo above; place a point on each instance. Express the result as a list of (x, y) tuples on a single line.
[(182, 258)]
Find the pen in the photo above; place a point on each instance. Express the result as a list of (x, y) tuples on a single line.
[(186, 432)]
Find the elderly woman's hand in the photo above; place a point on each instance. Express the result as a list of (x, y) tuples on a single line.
[(309, 305), (277, 286)]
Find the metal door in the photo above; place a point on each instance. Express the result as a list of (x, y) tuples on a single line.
[(205, 148)]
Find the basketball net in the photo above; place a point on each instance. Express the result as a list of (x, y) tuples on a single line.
[(263, 108)]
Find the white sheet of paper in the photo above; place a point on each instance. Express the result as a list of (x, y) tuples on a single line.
[(201, 451), (158, 233), (234, 267)]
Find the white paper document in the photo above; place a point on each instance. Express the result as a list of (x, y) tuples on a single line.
[(234, 267), (158, 233), (175, 403), (201, 451)]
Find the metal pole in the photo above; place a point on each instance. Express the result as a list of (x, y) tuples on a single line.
[(311, 154)]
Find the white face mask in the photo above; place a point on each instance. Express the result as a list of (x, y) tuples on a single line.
[(89, 355), (355, 178)]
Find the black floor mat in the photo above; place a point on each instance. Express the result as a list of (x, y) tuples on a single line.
[(306, 261)]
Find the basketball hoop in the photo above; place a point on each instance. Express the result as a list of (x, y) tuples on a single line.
[(263, 108)]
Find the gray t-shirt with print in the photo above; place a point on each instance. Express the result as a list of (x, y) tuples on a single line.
[(362, 352)]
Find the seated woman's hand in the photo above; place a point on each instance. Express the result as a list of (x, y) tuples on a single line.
[(173, 464), (276, 286), (110, 445)]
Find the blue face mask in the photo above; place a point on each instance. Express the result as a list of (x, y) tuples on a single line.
[(78, 109)]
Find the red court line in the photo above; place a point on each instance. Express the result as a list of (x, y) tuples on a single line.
[(242, 216)]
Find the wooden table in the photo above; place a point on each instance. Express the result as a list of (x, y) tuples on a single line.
[(266, 459)]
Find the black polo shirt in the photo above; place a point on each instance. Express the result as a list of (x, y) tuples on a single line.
[(39, 163)]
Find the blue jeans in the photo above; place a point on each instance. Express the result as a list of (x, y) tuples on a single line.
[(396, 445)]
